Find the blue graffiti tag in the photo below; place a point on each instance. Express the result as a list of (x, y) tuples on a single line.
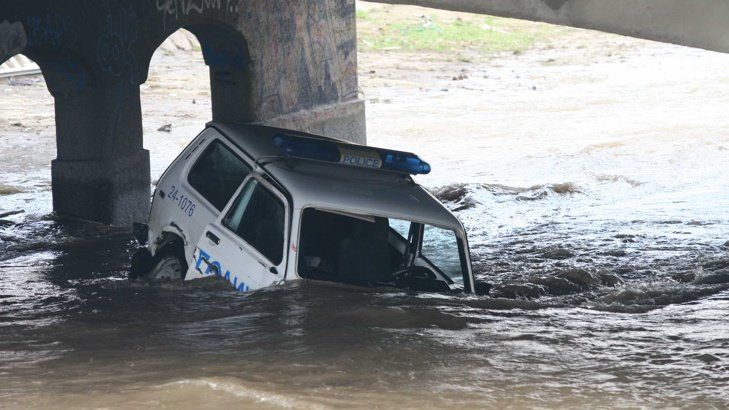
[(54, 29)]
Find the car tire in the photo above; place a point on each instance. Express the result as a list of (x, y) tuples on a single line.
[(168, 267), (169, 263)]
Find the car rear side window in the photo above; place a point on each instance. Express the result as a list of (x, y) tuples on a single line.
[(217, 174), (258, 216)]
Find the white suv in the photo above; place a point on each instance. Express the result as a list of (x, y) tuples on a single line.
[(257, 206)]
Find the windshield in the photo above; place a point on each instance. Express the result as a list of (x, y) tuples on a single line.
[(378, 251)]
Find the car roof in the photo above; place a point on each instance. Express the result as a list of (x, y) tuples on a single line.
[(338, 187)]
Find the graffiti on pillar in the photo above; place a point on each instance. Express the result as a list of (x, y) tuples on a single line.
[(175, 9), (12, 39), (312, 47), (116, 57), (58, 31), (114, 50), (52, 29)]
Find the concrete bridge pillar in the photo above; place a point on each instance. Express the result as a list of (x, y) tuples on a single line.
[(101, 172)]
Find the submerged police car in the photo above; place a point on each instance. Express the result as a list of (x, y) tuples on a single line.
[(257, 206)]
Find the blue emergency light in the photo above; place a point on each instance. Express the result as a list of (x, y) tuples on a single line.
[(350, 154), (308, 148)]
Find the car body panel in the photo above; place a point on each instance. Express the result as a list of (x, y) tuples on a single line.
[(181, 212)]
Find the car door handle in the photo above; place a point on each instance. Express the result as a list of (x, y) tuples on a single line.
[(213, 238), (272, 269)]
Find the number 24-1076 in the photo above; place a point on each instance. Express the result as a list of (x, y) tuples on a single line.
[(183, 202)]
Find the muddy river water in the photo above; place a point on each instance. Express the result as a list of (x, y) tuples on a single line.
[(593, 183)]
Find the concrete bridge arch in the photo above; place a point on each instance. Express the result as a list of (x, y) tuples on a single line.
[(286, 63)]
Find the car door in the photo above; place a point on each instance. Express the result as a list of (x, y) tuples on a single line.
[(207, 185), (247, 244)]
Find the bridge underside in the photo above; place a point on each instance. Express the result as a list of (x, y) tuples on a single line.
[(695, 23)]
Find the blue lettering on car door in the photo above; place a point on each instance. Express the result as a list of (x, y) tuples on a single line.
[(214, 268)]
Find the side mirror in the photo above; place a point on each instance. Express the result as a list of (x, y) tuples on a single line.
[(482, 288)]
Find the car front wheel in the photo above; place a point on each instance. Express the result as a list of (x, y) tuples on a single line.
[(168, 268)]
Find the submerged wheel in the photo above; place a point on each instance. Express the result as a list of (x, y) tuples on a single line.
[(169, 263), (168, 267)]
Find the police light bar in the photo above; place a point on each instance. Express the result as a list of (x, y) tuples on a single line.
[(350, 154)]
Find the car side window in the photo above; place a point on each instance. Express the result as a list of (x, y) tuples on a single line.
[(440, 247), (258, 217), (217, 174)]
